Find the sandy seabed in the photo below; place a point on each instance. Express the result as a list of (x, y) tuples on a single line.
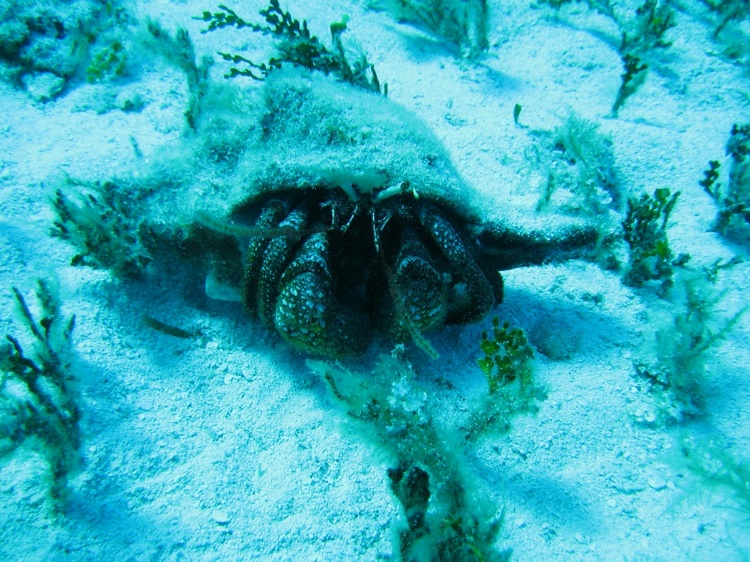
[(228, 447)]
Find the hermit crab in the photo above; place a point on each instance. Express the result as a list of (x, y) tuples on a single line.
[(340, 215), (334, 214)]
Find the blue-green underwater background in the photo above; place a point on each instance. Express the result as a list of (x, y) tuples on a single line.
[(201, 435)]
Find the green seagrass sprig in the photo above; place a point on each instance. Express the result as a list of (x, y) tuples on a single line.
[(296, 45)]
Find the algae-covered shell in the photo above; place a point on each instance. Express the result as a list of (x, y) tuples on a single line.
[(308, 130), (303, 130)]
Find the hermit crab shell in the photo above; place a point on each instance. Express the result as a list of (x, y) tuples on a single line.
[(309, 130)]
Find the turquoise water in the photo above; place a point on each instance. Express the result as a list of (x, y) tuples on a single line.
[(284, 287)]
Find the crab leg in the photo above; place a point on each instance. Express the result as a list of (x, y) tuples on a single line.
[(402, 321), (507, 246), (473, 299), (275, 257), (269, 218)]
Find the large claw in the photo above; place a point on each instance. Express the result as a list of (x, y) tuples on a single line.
[(422, 291), (306, 314)]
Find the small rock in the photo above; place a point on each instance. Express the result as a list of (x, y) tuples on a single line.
[(220, 516), (36, 499), (556, 337), (43, 86), (129, 100), (657, 483)]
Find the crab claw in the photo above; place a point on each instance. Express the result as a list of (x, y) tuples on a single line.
[(306, 315), (422, 291)]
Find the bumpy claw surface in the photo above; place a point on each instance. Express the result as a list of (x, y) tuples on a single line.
[(306, 313), (270, 217), (276, 254), (423, 291)]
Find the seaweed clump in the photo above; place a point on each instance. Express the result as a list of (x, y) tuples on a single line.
[(508, 364), (578, 159), (107, 62), (100, 221), (45, 45), (445, 516), (461, 22), (642, 35), (645, 227), (579, 178), (730, 31), (178, 50), (676, 377), (37, 402), (728, 11), (733, 198), (634, 73), (296, 45), (720, 469)]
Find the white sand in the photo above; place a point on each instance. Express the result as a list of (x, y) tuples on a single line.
[(229, 448)]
